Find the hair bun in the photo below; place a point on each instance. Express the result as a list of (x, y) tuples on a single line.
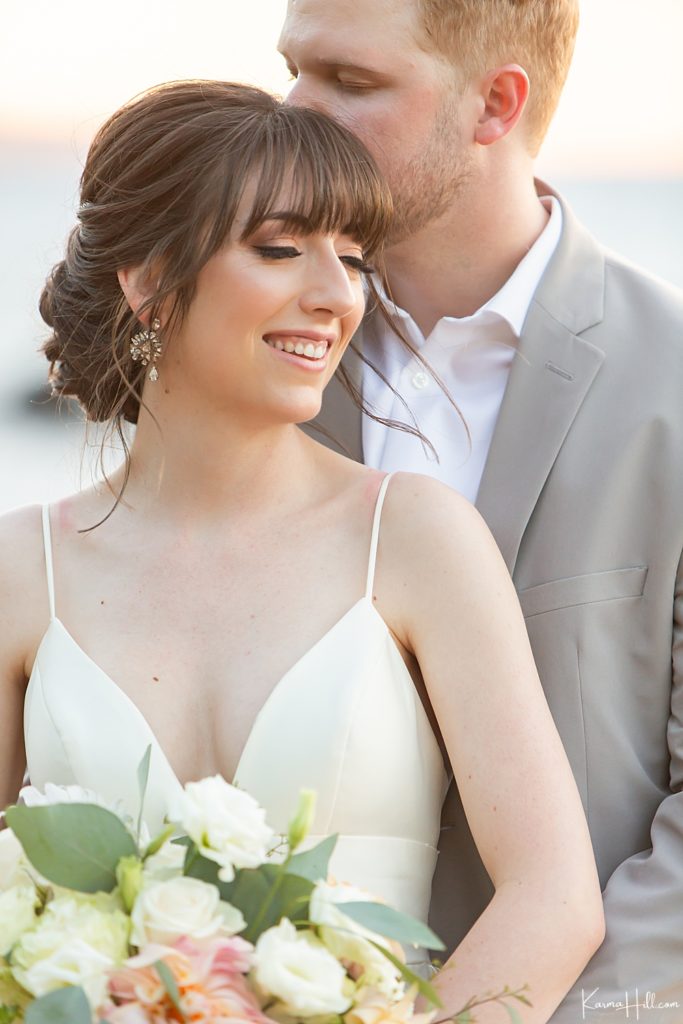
[(78, 349)]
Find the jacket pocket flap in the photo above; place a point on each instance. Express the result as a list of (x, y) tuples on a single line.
[(574, 590)]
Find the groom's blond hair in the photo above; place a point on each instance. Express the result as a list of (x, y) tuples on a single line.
[(482, 34)]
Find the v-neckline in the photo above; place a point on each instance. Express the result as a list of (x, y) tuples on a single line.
[(55, 620)]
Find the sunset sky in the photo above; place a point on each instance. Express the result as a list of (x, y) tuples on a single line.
[(65, 66)]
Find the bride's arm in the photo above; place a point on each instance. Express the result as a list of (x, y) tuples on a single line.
[(458, 613), (21, 604)]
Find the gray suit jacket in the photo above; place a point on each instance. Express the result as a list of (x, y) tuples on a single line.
[(583, 491)]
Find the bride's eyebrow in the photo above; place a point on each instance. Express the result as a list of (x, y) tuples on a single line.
[(292, 217)]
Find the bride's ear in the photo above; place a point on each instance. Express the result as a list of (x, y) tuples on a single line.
[(135, 287)]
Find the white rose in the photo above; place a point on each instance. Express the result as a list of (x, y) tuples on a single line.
[(297, 969), (348, 940), (227, 824), (17, 915), (14, 865), (76, 941), (167, 910)]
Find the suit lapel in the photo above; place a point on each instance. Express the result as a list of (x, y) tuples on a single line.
[(550, 378), (552, 374)]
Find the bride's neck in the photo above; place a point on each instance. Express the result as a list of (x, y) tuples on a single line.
[(182, 469)]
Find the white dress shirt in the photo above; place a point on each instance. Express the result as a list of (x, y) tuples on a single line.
[(472, 355)]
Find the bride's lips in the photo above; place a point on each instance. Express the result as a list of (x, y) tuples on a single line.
[(305, 349)]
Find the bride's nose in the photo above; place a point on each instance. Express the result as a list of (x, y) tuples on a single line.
[(329, 289)]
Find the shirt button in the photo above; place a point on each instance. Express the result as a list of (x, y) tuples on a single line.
[(420, 380)]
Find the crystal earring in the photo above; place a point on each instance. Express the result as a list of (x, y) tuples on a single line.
[(146, 348)]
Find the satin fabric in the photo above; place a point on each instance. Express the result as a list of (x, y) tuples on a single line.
[(345, 720)]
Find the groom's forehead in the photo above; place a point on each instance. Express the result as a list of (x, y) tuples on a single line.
[(355, 25)]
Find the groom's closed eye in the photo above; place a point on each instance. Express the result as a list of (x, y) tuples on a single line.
[(346, 73)]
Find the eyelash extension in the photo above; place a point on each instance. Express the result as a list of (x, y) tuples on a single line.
[(277, 252), (356, 263), (283, 252)]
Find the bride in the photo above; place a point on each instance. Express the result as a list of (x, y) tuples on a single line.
[(247, 601)]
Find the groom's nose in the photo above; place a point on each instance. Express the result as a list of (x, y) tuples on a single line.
[(305, 93)]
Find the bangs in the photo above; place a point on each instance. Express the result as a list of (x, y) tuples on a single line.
[(308, 166)]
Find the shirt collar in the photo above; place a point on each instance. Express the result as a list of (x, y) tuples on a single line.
[(512, 301)]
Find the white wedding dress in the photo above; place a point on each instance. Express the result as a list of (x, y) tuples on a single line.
[(345, 720)]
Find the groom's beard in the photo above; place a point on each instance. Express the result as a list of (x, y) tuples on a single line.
[(425, 187)]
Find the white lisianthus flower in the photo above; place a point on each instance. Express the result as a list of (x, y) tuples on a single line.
[(348, 940), (31, 796), (227, 824), (297, 969), (53, 794), (167, 862), (167, 910), (17, 915), (14, 865), (76, 941)]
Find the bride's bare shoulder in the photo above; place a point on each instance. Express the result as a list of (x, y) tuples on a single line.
[(417, 502), (427, 525), (24, 607), (21, 546), (24, 603)]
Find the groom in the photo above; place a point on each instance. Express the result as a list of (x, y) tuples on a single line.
[(567, 365)]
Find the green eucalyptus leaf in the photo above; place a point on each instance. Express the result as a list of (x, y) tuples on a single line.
[(423, 987), (267, 894), (313, 864), (74, 845), (464, 1018), (8, 1014), (205, 870), (513, 1013), (182, 841), (64, 1006), (169, 983), (143, 779), (390, 923), (264, 895)]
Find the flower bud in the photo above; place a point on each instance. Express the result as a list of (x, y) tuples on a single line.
[(129, 879), (300, 825)]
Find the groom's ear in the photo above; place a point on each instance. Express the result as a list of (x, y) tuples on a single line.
[(504, 93)]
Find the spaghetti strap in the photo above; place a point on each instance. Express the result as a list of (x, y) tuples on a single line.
[(47, 544), (375, 534)]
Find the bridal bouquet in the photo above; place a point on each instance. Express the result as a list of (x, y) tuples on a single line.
[(215, 920)]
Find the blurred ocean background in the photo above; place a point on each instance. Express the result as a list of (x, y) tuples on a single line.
[(42, 450)]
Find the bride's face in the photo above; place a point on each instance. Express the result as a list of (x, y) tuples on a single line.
[(269, 321)]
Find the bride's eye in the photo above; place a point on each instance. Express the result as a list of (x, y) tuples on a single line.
[(277, 252), (357, 263)]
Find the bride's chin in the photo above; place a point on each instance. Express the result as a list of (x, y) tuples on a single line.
[(302, 410)]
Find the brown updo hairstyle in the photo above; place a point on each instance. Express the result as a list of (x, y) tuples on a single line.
[(160, 189), (161, 185)]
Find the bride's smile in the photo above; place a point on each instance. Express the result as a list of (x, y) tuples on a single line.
[(268, 323)]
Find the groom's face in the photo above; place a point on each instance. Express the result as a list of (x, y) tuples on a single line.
[(361, 62)]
